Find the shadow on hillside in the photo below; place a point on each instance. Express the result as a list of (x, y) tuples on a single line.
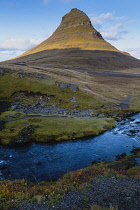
[(80, 59)]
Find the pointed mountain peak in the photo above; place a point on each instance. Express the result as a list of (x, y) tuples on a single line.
[(77, 44), (78, 21), (75, 31), (75, 15)]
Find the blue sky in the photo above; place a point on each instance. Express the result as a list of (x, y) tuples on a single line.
[(25, 23)]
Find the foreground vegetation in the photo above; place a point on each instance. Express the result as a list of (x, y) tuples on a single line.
[(16, 192)]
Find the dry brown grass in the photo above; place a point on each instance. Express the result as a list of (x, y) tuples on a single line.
[(102, 86)]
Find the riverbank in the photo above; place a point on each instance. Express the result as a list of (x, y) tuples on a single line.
[(38, 162), (52, 129), (106, 184)]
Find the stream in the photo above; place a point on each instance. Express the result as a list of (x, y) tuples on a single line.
[(43, 162)]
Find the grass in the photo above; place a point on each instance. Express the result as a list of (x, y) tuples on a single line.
[(12, 115), (58, 129), (11, 83), (101, 94), (15, 88), (134, 172), (135, 104), (28, 89), (13, 193)]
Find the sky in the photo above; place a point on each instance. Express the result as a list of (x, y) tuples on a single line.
[(26, 23)]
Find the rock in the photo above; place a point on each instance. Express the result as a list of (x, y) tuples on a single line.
[(27, 131), (39, 163), (95, 162), (37, 101), (124, 105), (9, 171), (74, 88), (73, 99), (24, 135), (101, 115), (133, 131), (20, 142), (21, 75), (122, 123), (16, 99), (121, 156), (12, 130), (135, 151), (76, 106), (4, 70), (2, 123), (42, 104), (3, 164), (63, 85)]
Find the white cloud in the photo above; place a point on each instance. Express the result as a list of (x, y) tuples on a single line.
[(116, 32), (105, 17), (18, 44), (117, 27), (111, 26), (8, 54), (134, 51), (11, 48), (113, 35)]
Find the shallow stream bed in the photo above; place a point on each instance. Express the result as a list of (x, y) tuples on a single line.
[(43, 162)]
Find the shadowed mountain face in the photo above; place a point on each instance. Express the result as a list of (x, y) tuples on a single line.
[(79, 59), (77, 44)]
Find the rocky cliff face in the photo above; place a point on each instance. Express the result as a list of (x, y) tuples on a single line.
[(75, 31), (75, 20)]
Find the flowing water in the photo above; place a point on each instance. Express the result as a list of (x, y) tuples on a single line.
[(43, 162)]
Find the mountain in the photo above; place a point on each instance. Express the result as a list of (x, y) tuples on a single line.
[(77, 44), (75, 31)]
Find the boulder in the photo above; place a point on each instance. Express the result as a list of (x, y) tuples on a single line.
[(24, 135), (73, 99), (74, 88)]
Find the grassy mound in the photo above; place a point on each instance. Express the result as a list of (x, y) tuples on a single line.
[(55, 129)]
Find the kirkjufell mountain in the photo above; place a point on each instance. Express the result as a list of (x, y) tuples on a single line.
[(75, 31), (77, 44)]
